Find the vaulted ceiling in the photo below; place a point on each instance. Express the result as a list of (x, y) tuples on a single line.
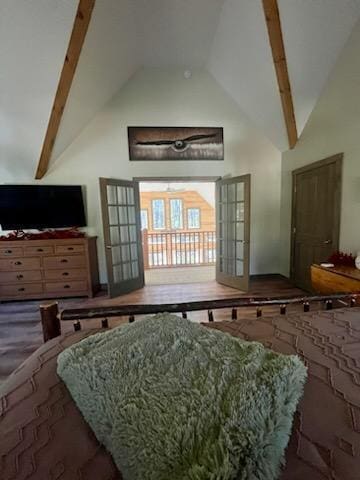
[(227, 37), (125, 35), (33, 40)]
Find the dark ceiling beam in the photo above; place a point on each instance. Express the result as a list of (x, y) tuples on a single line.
[(80, 27), (272, 17)]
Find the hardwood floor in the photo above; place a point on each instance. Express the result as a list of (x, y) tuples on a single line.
[(20, 328)]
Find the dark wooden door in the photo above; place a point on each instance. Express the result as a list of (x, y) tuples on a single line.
[(315, 217), (233, 232), (120, 204)]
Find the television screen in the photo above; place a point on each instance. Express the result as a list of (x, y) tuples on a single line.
[(45, 206)]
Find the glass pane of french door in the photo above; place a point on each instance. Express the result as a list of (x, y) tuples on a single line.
[(122, 235), (233, 231)]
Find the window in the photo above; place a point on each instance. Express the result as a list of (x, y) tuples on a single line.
[(176, 216), (158, 214), (193, 218), (144, 220)]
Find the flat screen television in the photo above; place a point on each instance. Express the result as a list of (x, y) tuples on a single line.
[(41, 206)]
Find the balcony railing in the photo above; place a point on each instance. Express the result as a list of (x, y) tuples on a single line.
[(175, 249)]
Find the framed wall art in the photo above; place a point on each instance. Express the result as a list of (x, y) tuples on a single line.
[(175, 143)]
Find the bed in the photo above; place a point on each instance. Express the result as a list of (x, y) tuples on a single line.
[(43, 435)]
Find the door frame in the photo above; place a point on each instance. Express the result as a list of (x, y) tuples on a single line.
[(182, 179), (190, 179), (336, 159)]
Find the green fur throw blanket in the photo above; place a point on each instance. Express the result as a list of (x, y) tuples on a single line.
[(173, 400)]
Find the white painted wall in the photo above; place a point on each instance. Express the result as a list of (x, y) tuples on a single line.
[(334, 127), (164, 97)]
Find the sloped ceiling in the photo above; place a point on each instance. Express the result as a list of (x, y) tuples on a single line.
[(228, 37), (241, 61), (315, 32), (125, 35), (176, 32), (34, 36), (110, 55)]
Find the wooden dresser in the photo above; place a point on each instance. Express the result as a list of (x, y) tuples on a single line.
[(31, 269), (335, 279)]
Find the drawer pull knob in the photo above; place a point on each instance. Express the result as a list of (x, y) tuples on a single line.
[(18, 263), (65, 274), (66, 286), (22, 289), (40, 249), (19, 277), (8, 251), (70, 248), (63, 260)]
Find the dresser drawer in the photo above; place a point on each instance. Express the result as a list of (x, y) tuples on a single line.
[(20, 289), (20, 277), (11, 251), (48, 268), (64, 275), (18, 264), (64, 262), (39, 250), (69, 249), (61, 287)]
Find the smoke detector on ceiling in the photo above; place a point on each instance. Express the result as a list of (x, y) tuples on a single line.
[(187, 74)]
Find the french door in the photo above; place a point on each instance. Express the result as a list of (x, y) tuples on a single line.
[(233, 231), (120, 205)]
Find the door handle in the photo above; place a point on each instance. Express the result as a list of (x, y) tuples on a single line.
[(109, 247), (327, 242)]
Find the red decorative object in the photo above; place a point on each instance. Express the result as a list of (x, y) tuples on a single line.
[(342, 259), (44, 235)]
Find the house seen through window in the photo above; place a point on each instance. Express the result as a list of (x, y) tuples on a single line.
[(178, 229)]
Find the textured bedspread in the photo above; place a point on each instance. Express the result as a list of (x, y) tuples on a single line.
[(43, 435)]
